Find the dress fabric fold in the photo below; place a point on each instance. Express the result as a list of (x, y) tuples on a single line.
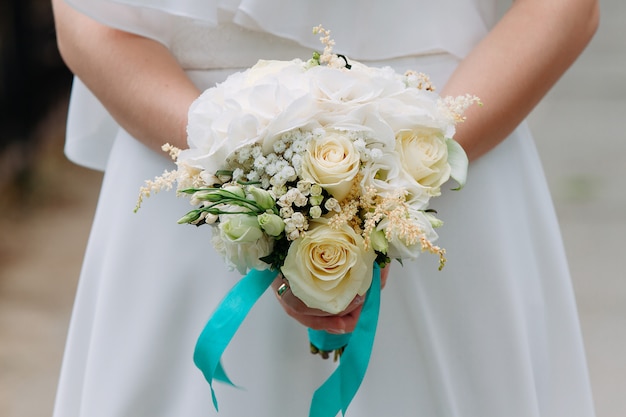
[(494, 334)]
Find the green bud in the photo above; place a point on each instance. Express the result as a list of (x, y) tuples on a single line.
[(316, 200), (315, 212), (190, 217), (379, 241), (234, 189), (435, 222), (262, 197), (272, 224), (213, 196), (316, 189)]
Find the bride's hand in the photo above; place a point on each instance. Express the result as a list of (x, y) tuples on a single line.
[(341, 323)]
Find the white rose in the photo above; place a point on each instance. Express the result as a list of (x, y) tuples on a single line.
[(401, 249), (332, 162), (242, 256), (327, 268), (240, 228), (380, 172), (424, 156)]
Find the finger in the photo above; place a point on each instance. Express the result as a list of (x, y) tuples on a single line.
[(292, 303), (332, 324)]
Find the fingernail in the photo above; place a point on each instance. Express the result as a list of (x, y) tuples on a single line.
[(336, 331)]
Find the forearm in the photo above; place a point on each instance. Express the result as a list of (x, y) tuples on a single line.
[(137, 79), (516, 64)]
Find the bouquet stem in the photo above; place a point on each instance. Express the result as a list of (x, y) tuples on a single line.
[(324, 343)]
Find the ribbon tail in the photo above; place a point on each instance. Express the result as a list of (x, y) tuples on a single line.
[(225, 322), (337, 392)]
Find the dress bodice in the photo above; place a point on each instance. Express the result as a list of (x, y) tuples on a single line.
[(212, 38), (366, 30)]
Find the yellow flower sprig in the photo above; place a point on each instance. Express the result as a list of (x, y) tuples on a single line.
[(396, 211)]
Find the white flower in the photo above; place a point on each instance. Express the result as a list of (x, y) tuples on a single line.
[(332, 205), (331, 162), (327, 268), (286, 212), (250, 107), (243, 256), (315, 212), (361, 84), (400, 248), (240, 228), (298, 219), (304, 187), (424, 156)]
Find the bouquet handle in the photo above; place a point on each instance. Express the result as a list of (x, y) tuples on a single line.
[(323, 343)]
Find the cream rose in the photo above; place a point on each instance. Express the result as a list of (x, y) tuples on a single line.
[(332, 162), (327, 268), (424, 156)]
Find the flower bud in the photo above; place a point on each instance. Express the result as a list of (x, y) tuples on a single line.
[(190, 217), (234, 189), (315, 212), (206, 195), (286, 212), (316, 200), (332, 205), (272, 224), (211, 218), (316, 189), (378, 241), (435, 222), (262, 197)]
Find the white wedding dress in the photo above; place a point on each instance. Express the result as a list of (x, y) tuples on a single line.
[(495, 334)]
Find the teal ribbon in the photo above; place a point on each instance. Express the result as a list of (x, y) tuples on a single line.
[(337, 392), (224, 323), (328, 342)]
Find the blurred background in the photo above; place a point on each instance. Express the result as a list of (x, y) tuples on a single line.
[(47, 203)]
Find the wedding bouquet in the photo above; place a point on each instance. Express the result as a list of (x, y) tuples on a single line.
[(319, 170)]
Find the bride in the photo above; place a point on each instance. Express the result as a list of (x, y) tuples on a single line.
[(494, 334)]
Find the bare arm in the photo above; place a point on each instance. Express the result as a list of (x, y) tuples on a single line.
[(137, 79), (517, 63)]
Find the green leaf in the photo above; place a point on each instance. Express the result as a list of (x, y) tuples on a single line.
[(457, 158)]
